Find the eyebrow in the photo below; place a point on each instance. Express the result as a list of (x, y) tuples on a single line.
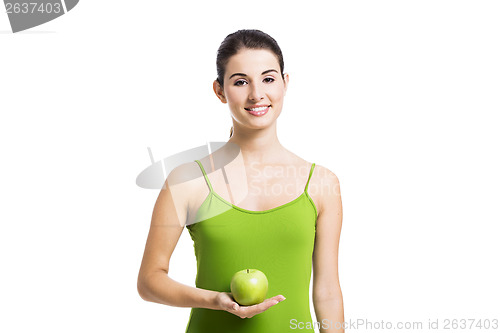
[(264, 72)]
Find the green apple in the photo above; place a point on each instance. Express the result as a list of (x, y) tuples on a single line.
[(249, 286)]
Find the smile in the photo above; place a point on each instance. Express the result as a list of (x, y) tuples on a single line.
[(258, 111)]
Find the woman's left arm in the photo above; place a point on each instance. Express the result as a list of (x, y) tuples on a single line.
[(327, 295)]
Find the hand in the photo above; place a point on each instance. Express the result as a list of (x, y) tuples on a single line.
[(226, 302)]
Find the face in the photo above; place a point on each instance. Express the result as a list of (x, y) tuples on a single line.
[(253, 88)]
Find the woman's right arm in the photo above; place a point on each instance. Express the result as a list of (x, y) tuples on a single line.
[(167, 224), (154, 284)]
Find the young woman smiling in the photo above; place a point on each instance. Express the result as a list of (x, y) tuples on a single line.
[(284, 233)]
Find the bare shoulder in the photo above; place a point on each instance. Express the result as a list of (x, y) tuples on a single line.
[(182, 181), (325, 174), (179, 176), (324, 187), (182, 174)]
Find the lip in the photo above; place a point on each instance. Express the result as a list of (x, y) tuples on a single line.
[(260, 113)]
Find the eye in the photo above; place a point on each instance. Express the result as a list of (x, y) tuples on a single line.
[(269, 79), (237, 83)]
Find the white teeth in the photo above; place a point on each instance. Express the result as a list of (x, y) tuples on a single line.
[(258, 109)]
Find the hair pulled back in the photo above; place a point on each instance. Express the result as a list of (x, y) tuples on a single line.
[(245, 38)]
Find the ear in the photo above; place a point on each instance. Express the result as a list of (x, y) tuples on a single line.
[(285, 81), (219, 92)]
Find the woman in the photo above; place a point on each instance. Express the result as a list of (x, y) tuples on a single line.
[(282, 234)]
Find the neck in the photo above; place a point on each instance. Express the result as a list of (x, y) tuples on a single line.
[(261, 146)]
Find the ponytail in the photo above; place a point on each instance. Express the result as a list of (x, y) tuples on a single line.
[(231, 132)]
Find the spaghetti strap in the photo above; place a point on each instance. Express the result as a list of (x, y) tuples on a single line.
[(310, 174), (205, 175)]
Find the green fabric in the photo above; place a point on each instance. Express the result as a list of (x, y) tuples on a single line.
[(277, 241)]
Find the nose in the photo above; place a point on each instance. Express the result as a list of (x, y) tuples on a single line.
[(256, 93)]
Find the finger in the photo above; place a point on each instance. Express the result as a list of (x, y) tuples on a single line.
[(261, 307), (278, 298), (250, 311), (273, 301)]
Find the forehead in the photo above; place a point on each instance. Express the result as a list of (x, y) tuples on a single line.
[(252, 62)]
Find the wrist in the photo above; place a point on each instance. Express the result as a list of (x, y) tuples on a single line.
[(213, 302)]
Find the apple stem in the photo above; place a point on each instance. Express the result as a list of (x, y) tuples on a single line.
[(248, 271)]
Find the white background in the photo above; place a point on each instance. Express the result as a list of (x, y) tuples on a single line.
[(398, 98)]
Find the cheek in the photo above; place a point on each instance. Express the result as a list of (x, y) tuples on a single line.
[(234, 95), (277, 94)]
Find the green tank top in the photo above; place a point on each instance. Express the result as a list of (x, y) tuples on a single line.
[(277, 241)]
